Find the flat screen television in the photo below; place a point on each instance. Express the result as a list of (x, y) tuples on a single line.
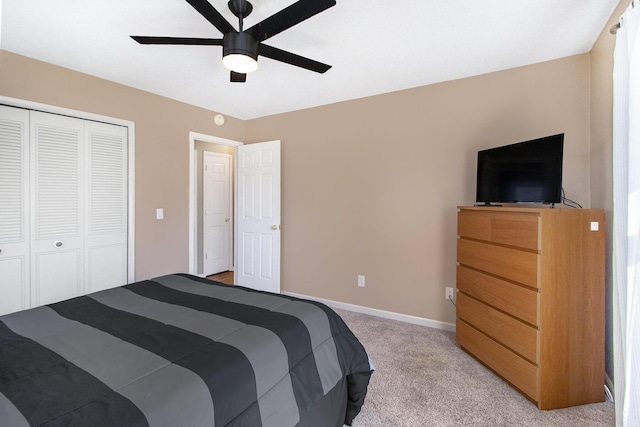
[(526, 172)]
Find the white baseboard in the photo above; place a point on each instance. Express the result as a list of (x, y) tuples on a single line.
[(436, 324)]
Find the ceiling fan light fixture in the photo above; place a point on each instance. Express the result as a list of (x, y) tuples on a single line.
[(240, 52), (240, 63)]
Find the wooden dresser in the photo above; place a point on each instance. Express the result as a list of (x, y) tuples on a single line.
[(531, 295)]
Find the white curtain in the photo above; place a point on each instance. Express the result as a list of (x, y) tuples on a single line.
[(626, 217)]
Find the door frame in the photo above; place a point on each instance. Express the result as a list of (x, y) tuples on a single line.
[(131, 136), (193, 226)]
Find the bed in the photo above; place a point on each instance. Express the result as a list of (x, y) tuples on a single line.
[(179, 350)]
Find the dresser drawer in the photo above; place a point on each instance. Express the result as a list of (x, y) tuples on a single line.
[(474, 225), (512, 333), (516, 300), (512, 264), (513, 368), (519, 230)]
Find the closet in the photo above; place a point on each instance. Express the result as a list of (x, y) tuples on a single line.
[(63, 207)]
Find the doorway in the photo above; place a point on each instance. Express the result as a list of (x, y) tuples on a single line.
[(198, 145), (256, 229)]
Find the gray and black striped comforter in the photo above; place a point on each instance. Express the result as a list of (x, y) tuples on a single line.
[(176, 351)]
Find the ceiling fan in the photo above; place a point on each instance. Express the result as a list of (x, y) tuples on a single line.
[(240, 49)]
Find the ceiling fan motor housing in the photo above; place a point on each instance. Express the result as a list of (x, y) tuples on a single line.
[(240, 43)]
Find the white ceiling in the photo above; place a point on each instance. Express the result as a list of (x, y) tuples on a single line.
[(375, 46)]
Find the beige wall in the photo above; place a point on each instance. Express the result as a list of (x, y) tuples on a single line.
[(601, 150), (371, 186), (162, 148)]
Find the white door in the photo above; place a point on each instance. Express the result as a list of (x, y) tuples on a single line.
[(56, 208), (258, 216), (105, 260), (217, 212), (14, 208)]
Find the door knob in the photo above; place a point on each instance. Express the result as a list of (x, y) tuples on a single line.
[(57, 244), (274, 227), (227, 219)]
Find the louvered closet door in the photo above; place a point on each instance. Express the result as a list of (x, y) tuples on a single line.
[(106, 224), (57, 210), (14, 230)]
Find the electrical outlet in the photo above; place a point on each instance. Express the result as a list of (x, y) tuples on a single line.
[(361, 281), (448, 293)]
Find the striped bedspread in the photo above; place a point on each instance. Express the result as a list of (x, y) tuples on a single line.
[(175, 351)]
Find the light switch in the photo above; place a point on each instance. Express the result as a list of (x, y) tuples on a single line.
[(595, 225), (159, 213), (361, 281)]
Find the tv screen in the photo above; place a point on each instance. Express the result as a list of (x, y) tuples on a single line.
[(526, 172)]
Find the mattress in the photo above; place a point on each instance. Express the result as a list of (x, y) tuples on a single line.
[(179, 350)]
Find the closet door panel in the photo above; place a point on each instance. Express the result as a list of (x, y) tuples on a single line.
[(14, 208), (57, 207), (58, 275), (106, 225)]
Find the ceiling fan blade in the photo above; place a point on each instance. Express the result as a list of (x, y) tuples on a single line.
[(238, 77), (288, 17), (292, 58), (177, 40), (212, 15)]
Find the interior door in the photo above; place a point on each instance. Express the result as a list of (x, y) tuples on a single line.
[(217, 212), (14, 208), (258, 216), (57, 213)]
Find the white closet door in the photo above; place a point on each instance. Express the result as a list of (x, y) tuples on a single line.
[(14, 208), (56, 208), (106, 224)]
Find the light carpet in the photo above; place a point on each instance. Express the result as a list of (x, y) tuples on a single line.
[(423, 378)]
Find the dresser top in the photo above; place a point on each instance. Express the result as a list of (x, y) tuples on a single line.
[(525, 209)]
